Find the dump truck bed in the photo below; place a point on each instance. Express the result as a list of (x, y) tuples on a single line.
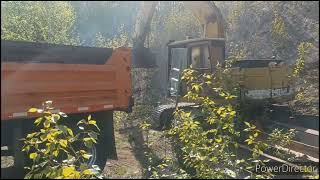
[(77, 79)]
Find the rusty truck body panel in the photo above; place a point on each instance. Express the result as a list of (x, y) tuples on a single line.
[(74, 87), (80, 81)]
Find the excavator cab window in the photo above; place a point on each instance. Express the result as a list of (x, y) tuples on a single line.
[(178, 62), (199, 53), (200, 58)]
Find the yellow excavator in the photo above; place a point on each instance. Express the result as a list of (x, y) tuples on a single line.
[(260, 80)]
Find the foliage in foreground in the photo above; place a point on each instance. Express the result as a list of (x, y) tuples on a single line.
[(305, 77), (56, 152), (207, 139), (208, 136)]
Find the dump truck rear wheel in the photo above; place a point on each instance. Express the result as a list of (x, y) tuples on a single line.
[(21, 159), (105, 148)]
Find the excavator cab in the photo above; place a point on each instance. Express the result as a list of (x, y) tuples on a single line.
[(258, 78), (201, 54)]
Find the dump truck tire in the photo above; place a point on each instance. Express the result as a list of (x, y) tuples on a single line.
[(105, 147), (21, 159)]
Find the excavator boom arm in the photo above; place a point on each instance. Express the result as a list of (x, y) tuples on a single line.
[(142, 57), (142, 26), (209, 17), (206, 12)]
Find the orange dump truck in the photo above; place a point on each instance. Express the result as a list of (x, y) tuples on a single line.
[(78, 80)]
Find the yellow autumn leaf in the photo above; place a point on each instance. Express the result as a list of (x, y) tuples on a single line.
[(232, 113), (188, 114), (55, 117), (86, 156), (67, 171), (56, 153), (248, 124), (220, 110), (87, 172), (47, 151), (225, 126), (32, 110), (249, 141), (38, 121), (208, 76), (77, 175), (92, 122), (50, 137), (27, 148), (46, 124), (70, 132), (196, 87), (63, 143), (33, 155), (219, 140), (31, 135)]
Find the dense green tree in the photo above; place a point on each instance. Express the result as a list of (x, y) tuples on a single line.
[(106, 19), (38, 21)]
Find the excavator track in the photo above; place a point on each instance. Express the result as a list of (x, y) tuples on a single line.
[(163, 114)]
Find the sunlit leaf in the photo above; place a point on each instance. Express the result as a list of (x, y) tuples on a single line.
[(33, 110), (55, 117), (218, 140), (63, 143), (31, 135), (27, 148), (33, 155), (81, 121), (38, 121), (70, 132), (67, 171), (46, 124), (248, 124), (88, 172), (56, 153), (87, 156), (249, 141), (92, 122)]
